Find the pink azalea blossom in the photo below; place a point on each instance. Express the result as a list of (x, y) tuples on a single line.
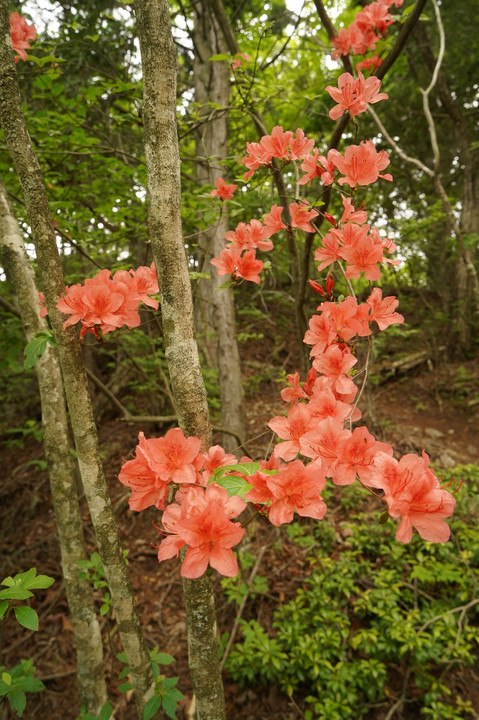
[(312, 167), (172, 457), (277, 144), (382, 310), (412, 492), (202, 522), (222, 190), (21, 33), (147, 486), (296, 488), (272, 221), (301, 216), (354, 94), (290, 429), (361, 164)]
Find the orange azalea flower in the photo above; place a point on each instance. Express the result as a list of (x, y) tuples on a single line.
[(21, 33)]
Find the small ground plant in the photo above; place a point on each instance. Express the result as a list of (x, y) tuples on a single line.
[(15, 682)]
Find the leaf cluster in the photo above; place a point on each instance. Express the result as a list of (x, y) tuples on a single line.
[(166, 696), (19, 587)]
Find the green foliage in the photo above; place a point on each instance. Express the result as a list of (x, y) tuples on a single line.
[(19, 587), (93, 571), (17, 681), (239, 587), (376, 605), (105, 713), (32, 428), (36, 347), (166, 696)]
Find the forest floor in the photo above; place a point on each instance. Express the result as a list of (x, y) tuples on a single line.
[(432, 408)]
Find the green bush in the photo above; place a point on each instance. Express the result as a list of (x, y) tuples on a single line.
[(378, 621)]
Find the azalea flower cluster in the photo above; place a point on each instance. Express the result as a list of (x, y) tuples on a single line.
[(21, 33), (368, 27), (105, 303), (355, 242), (239, 257), (317, 440), (360, 165), (201, 516), (354, 94)]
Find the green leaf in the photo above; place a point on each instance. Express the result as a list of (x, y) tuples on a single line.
[(152, 707), (170, 706), (34, 351), (25, 577), (44, 60), (124, 687), (40, 582), (7, 678), (168, 683), (3, 608), (106, 711), (27, 617), (15, 593), (194, 275), (161, 658), (104, 609), (235, 485), (84, 564), (30, 684), (17, 701), (217, 58), (243, 468)]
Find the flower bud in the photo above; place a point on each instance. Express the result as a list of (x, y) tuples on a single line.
[(329, 284), (316, 287)]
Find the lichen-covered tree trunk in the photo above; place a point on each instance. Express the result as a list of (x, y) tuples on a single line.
[(215, 307), (73, 369), (86, 629), (159, 65)]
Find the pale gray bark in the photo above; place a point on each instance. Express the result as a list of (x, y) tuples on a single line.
[(215, 310), (73, 369), (159, 65), (86, 629)]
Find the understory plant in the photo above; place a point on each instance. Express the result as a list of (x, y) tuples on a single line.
[(15, 682)]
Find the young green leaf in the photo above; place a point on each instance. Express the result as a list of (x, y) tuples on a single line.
[(152, 707), (26, 616)]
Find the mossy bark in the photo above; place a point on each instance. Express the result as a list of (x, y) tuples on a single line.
[(56, 441), (73, 369), (164, 220)]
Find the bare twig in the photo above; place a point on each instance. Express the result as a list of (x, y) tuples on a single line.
[(241, 608)]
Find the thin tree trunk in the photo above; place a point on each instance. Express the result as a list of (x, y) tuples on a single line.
[(73, 369), (164, 220), (86, 629), (285, 198), (215, 307)]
